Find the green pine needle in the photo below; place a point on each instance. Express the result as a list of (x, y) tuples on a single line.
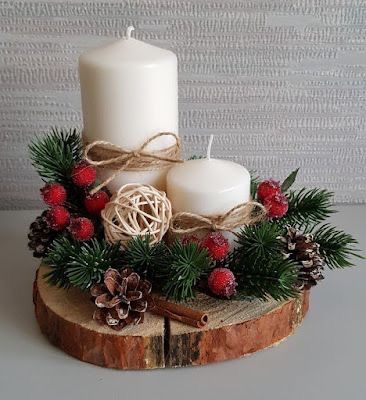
[(145, 258), (187, 263), (80, 264), (308, 206), (54, 154), (87, 266), (259, 265), (337, 247), (254, 182), (259, 241), (276, 278), (58, 257)]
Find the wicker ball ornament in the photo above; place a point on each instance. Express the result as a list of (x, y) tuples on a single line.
[(136, 210)]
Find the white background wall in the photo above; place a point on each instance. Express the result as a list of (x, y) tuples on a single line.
[(281, 82)]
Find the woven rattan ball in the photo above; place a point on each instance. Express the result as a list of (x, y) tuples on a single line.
[(136, 210)]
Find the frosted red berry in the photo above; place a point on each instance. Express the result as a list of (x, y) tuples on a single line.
[(53, 194), (276, 206), (221, 282), (217, 245), (268, 188), (81, 228), (83, 174), (94, 203), (58, 218)]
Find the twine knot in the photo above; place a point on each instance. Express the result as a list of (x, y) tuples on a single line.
[(103, 154), (243, 214)]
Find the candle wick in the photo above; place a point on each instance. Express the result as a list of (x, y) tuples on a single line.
[(128, 32), (209, 147)]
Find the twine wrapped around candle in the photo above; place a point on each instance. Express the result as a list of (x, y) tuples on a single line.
[(103, 154), (243, 214)]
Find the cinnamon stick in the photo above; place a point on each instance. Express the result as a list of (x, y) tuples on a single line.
[(177, 312)]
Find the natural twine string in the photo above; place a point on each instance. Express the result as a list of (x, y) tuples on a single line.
[(243, 214), (103, 154)]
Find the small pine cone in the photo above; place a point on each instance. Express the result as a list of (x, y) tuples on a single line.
[(303, 249), (121, 298), (40, 236)]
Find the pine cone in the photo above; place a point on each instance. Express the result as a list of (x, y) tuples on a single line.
[(303, 249), (40, 236), (121, 299)]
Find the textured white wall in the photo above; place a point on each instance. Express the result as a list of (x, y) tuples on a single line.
[(281, 82)]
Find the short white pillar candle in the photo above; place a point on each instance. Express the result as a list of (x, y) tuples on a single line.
[(208, 186)]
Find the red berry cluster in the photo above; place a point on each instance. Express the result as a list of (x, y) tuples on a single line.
[(221, 281), (270, 195), (59, 218)]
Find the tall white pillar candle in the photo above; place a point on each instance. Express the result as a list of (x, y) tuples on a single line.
[(208, 186), (129, 92)]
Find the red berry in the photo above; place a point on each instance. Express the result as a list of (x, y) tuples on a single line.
[(83, 174), (221, 282), (268, 189), (94, 203), (81, 228), (217, 245), (58, 218), (277, 205), (191, 239), (53, 194)]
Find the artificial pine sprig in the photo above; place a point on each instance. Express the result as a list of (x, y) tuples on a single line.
[(87, 266), (308, 207), (54, 154), (150, 260), (276, 278), (80, 264), (187, 264), (258, 241), (336, 247), (58, 258), (259, 264)]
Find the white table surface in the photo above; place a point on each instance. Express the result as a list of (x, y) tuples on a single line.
[(325, 359)]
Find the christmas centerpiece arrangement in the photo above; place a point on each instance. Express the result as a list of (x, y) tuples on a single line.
[(150, 260)]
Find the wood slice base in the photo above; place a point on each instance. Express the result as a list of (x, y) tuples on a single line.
[(235, 329)]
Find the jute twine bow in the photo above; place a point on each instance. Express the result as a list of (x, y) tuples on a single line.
[(243, 214), (103, 154)]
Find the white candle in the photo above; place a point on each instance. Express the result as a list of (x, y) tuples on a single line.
[(208, 186), (129, 92)]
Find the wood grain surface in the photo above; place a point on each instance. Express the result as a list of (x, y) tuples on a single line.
[(235, 329)]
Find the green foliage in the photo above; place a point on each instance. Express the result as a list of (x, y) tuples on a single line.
[(289, 181), (308, 206), (254, 182), (336, 247), (58, 258), (195, 157), (80, 264), (259, 241), (259, 265), (187, 263), (147, 259), (54, 154), (275, 277)]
